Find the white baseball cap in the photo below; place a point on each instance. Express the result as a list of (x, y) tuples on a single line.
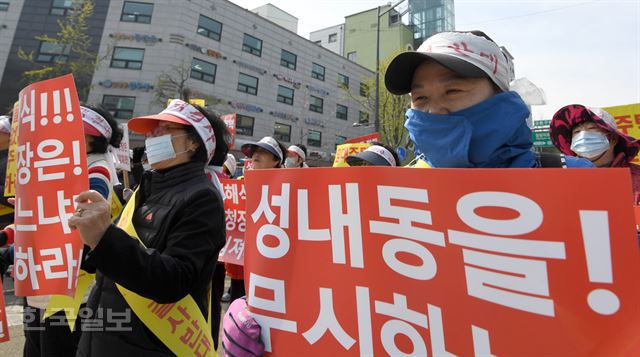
[(230, 163), (469, 54), (268, 143)]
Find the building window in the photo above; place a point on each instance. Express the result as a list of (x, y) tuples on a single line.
[(282, 132), (209, 28), (136, 12), (333, 37), (315, 104), (51, 52), (252, 45), (352, 56), (125, 57), (363, 118), (364, 89), (288, 59), (4, 6), (340, 140), (285, 95), (317, 72), (342, 112), (314, 138), (247, 84), (203, 70), (61, 7), (120, 107), (343, 81), (244, 125)]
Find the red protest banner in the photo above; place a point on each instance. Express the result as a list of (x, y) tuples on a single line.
[(230, 120), (236, 221), (52, 170), (4, 325), (506, 262), (364, 139)]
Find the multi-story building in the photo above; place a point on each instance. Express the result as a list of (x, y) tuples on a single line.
[(278, 16), (276, 82), (331, 38), (360, 31), (428, 17)]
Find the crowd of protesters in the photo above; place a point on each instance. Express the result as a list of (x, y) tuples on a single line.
[(462, 115)]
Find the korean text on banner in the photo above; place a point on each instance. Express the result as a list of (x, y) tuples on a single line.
[(230, 121), (481, 262), (344, 150), (364, 139), (627, 119), (10, 178), (123, 160), (235, 219), (4, 325), (51, 172)]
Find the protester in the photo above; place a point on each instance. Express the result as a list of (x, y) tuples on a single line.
[(52, 336), (592, 133), (177, 221), (265, 154), (296, 156), (378, 154), (462, 113)]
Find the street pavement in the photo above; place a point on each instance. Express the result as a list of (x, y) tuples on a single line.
[(14, 304)]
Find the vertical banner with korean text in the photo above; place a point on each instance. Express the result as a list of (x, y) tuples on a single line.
[(442, 262), (51, 172), (4, 325), (10, 176), (627, 119), (230, 121), (235, 220)]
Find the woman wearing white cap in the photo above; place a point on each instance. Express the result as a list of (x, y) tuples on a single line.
[(378, 154), (167, 241), (296, 156), (47, 337)]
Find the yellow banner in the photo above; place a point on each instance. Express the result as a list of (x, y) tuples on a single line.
[(71, 305), (344, 150), (12, 157), (200, 102), (181, 325), (628, 121)]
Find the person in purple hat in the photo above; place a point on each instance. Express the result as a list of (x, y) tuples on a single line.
[(592, 133)]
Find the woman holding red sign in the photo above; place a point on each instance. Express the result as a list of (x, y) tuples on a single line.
[(159, 260), (52, 336)]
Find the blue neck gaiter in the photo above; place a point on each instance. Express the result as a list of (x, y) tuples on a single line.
[(492, 133)]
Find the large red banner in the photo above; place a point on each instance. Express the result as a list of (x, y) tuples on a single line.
[(235, 220), (364, 139), (442, 262), (52, 171)]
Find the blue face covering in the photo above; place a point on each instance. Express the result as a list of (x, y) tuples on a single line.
[(492, 133)]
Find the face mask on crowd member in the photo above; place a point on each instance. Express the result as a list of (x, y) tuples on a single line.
[(296, 155), (592, 133), (265, 154)]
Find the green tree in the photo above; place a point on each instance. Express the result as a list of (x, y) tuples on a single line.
[(72, 46), (392, 107)]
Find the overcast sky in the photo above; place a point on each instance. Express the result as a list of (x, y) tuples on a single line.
[(584, 52)]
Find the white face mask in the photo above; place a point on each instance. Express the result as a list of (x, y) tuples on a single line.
[(589, 144), (291, 162), (146, 166), (160, 148)]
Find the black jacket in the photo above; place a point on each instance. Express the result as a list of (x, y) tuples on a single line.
[(180, 218)]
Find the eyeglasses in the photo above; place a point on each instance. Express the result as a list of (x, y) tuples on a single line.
[(165, 129)]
